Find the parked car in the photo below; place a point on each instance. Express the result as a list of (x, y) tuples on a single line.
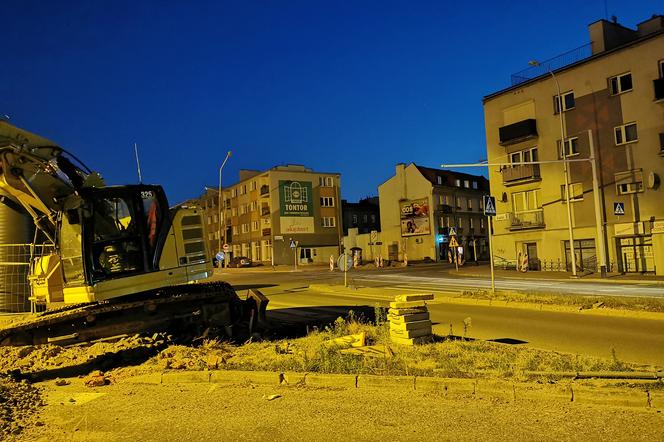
[(240, 261)]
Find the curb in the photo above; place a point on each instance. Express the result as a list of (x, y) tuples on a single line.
[(443, 298), (564, 391)]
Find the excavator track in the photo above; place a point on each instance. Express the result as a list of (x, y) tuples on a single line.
[(175, 308)]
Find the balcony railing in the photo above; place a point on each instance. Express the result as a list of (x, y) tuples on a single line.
[(444, 208), (519, 174), (527, 220), (659, 88), (516, 132), (265, 211)]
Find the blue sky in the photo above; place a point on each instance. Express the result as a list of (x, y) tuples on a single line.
[(339, 86)]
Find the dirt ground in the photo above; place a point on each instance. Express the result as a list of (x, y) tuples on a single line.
[(246, 412)]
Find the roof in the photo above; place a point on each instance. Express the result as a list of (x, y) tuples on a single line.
[(574, 65), (449, 176)]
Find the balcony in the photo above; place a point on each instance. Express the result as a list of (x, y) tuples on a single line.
[(265, 211), (444, 208), (659, 89), (524, 173), (265, 190), (527, 220), (266, 232), (517, 132)]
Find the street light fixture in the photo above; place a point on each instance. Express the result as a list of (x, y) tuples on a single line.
[(228, 154), (565, 165)]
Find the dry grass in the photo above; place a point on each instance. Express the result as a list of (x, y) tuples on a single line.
[(580, 302), (449, 357)]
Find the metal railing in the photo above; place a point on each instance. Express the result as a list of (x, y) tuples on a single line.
[(522, 172), (15, 267), (557, 62), (527, 220)]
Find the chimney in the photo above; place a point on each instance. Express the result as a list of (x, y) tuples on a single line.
[(652, 25), (606, 35)]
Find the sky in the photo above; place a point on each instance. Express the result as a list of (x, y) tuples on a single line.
[(352, 87)]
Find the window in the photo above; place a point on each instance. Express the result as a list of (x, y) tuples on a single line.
[(325, 181), (661, 69), (571, 147), (458, 202), (448, 221), (254, 226), (482, 223), (252, 185), (524, 156), (439, 179), (470, 204), (234, 211), (209, 220), (243, 209), (526, 201), (472, 223), (215, 218), (329, 221), (466, 184), (474, 184), (568, 102), (245, 228), (243, 189), (457, 182), (234, 230), (327, 201), (365, 219), (373, 219), (625, 134), (575, 192), (253, 206), (620, 83), (354, 219)]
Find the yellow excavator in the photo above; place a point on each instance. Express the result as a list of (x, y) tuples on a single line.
[(120, 261)]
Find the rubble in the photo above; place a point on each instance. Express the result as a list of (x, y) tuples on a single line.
[(19, 402)]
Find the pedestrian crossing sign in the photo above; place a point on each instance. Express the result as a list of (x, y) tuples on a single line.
[(452, 231), (453, 242), (619, 208), (489, 205)]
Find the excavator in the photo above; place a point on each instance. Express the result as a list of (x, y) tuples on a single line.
[(117, 259)]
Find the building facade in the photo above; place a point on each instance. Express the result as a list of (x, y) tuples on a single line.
[(419, 206), (363, 215), (266, 213), (611, 100)]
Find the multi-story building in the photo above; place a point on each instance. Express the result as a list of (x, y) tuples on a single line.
[(419, 205), (277, 216), (606, 97), (363, 215)]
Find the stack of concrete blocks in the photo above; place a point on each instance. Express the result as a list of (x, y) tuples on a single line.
[(409, 319)]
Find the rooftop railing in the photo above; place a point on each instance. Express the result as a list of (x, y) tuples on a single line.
[(557, 62)]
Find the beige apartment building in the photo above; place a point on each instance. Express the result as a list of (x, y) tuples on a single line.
[(419, 206), (266, 213), (612, 102)]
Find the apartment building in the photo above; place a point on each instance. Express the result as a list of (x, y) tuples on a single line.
[(363, 215), (606, 97), (419, 205), (265, 213)]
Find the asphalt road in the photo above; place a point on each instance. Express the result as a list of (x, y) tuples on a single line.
[(629, 338)]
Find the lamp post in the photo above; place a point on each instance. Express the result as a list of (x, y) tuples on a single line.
[(228, 154), (565, 166)]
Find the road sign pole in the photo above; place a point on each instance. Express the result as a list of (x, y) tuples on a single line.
[(493, 276), (295, 258), (345, 270)]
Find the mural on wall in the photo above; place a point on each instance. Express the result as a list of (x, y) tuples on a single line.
[(415, 217)]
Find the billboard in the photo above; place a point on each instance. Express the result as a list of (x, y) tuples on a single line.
[(296, 208), (415, 217)]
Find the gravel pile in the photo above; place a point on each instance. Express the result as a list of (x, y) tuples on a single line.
[(19, 402)]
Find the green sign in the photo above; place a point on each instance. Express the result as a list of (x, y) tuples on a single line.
[(296, 198)]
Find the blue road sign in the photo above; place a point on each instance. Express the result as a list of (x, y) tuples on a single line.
[(489, 205), (618, 208)]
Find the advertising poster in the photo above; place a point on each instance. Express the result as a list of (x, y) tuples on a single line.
[(415, 217), (296, 207)]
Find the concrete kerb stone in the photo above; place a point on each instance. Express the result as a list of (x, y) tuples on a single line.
[(568, 392)]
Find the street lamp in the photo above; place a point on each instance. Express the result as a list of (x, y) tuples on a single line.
[(565, 165), (228, 154)]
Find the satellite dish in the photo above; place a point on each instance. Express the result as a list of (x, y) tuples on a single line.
[(653, 180)]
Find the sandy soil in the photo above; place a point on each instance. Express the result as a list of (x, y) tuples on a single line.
[(245, 412)]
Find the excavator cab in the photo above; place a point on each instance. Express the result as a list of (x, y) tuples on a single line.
[(121, 230)]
